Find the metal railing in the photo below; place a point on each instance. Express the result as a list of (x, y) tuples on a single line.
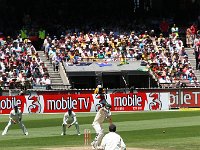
[(53, 87), (180, 84), (37, 87)]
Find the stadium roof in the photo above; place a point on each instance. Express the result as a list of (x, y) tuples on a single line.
[(86, 69)]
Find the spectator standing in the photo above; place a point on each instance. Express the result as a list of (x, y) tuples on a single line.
[(174, 30), (164, 28), (56, 59), (189, 38), (193, 29), (197, 56)]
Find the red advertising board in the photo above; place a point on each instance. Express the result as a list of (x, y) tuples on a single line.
[(129, 102), (185, 98), (8, 102), (60, 103), (85, 102)]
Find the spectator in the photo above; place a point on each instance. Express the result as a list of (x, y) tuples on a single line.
[(56, 59), (101, 55), (37, 76), (164, 27), (189, 38), (193, 29), (45, 81), (197, 56), (175, 30)]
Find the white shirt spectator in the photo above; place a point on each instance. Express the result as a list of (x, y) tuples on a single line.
[(162, 80), (101, 39), (45, 80)]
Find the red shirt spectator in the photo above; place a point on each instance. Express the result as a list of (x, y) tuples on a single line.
[(193, 29), (164, 26)]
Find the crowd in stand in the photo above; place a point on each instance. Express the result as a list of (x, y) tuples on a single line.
[(165, 57), (20, 65)]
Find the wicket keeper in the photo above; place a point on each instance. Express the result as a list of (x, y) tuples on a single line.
[(102, 114), (68, 120)]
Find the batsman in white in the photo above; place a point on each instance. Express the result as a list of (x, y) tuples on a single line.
[(68, 120), (112, 140), (15, 118), (102, 114)]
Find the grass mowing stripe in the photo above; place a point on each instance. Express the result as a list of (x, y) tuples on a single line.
[(157, 134), (45, 141), (158, 123), (46, 116), (123, 115), (132, 138), (33, 121), (138, 129), (137, 116), (145, 124), (121, 126), (48, 122), (45, 131), (173, 138)]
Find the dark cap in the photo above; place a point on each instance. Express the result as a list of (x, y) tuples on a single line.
[(15, 106), (112, 128), (108, 106), (70, 111)]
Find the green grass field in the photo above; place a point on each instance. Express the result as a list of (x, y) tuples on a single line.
[(138, 129)]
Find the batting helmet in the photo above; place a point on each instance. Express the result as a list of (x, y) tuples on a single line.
[(108, 106)]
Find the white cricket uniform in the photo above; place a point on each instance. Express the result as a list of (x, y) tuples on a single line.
[(101, 115), (69, 119), (15, 118), (112, 141)]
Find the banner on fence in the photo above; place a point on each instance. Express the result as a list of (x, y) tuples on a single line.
[(184, 98), (34, 103)]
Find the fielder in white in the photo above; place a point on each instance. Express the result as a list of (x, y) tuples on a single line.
[(15, 118), (112, 140), (102, 114), (68, 120)]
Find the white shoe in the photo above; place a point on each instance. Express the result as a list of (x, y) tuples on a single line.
[(26, 133), (79, 134), (63, 134), (93, 147), (93, 144), (3, 133)]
